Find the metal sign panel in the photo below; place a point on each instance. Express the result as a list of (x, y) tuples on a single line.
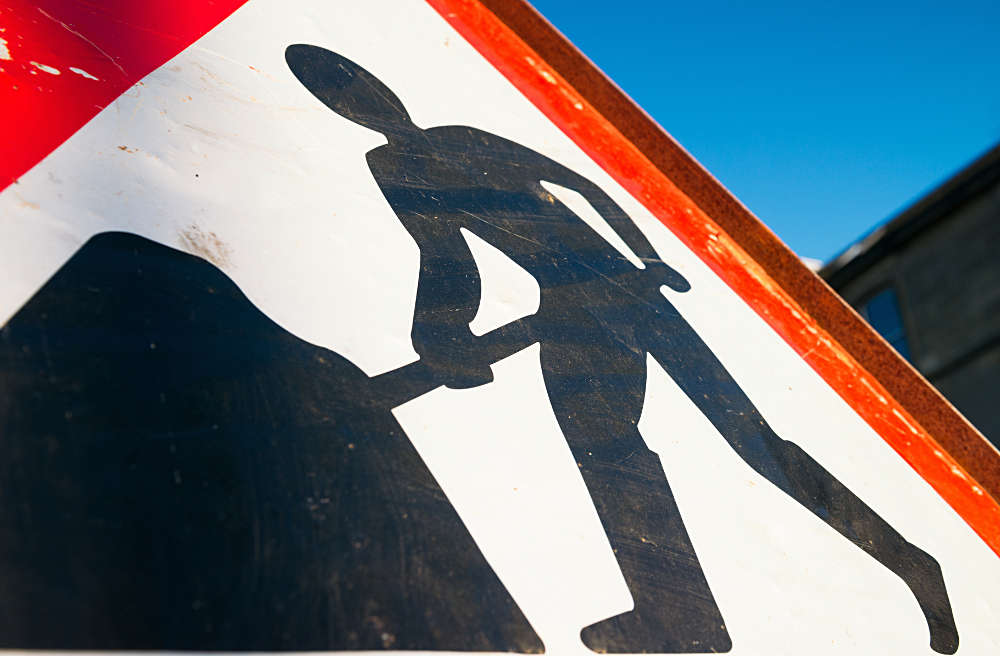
[(350, 327)]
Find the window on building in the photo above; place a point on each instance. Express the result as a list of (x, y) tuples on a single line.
[(881, 311)]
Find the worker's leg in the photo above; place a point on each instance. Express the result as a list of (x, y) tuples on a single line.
[(597, 393), (701, 376)]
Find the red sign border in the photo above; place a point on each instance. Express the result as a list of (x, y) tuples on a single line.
[(905, 410)]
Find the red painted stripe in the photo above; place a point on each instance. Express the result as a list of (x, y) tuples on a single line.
[(63, 61), (625, 163)]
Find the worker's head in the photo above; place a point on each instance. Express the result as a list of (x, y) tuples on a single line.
[(349, 90)]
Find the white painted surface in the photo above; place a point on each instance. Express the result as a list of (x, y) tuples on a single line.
[(576, 202), (507, 292), (221, 152)]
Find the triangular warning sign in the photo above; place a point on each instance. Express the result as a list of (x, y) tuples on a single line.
[(397, 327)]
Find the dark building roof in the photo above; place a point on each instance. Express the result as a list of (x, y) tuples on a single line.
[(974, 179)]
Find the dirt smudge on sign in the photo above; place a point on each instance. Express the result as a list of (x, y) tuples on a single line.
[(206, 245)]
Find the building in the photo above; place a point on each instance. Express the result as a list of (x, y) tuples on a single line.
[(929, 282)]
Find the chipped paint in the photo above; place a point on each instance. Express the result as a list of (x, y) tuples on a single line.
[(83, 73), (51, 70), (97, 58)]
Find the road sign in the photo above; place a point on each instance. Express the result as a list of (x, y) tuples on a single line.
[(350, 328)]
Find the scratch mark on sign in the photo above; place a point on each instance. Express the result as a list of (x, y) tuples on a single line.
[(92, 44)]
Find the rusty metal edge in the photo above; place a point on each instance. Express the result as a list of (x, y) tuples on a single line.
[(924, 403)]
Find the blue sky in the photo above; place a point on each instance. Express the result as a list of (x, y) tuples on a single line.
[(825, 121)]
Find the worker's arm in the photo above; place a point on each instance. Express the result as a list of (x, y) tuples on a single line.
[(448, 287), (615, 217)]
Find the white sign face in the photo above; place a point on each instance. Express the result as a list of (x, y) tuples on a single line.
[(634, 460)]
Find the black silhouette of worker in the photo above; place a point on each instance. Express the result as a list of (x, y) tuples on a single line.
[(599, 316)]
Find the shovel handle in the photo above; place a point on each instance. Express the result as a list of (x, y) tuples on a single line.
[(416, 378)]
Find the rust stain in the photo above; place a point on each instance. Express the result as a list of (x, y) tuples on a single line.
[(206, 245), (26, 203), (127, 149)]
